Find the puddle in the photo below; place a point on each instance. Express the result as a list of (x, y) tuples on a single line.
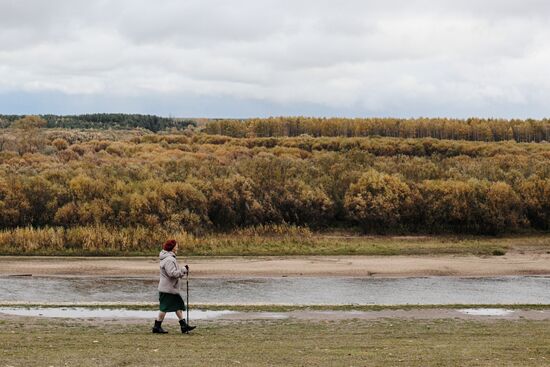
[(82, 312), (118, 314), (486, 311), (272, 315)]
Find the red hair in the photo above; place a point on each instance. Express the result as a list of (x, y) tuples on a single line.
[(169, 245)]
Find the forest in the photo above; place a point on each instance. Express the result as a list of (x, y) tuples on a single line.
[(105, 121), (71, 184), (473, 129)]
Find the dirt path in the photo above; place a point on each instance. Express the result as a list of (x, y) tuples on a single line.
[(477, 314), (427, 314), (353, 266)]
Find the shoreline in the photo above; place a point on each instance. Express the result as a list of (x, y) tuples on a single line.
[(511, 264), (426, 312), (277, 307)]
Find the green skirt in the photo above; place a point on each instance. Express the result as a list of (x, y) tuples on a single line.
[(170, 302)]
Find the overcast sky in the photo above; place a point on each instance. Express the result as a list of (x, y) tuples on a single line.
[(245, 58)]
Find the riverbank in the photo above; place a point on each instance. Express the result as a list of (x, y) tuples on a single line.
[(384, 342), (275, 240), (200, 313), (513, 263)]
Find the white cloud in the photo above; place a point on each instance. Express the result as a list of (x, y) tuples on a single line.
[(363, 56)]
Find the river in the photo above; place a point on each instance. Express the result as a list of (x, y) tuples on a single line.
[(286, 290)]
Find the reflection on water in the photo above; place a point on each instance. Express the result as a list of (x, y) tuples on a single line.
[(361, 291)]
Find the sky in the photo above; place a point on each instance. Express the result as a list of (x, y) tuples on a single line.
[(259, 58)]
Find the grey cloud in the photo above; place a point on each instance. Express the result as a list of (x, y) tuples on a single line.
[(349, 55), (192, 24)]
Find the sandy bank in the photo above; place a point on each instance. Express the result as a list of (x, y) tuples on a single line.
[(351, 266)]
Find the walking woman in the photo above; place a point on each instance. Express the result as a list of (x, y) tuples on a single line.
[(169, 289)]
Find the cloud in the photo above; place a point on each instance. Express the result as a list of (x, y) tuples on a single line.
[(289, 57)]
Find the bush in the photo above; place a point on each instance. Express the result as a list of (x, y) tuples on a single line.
[(378, 201), (60, 144)]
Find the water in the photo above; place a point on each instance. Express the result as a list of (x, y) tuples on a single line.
[(118, 313), (486, 311), (82, 312), (302, 290)]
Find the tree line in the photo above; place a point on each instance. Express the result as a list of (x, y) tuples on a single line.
[(473, 129), (198, 182), (105, 121)]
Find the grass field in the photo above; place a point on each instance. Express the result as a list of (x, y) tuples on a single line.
[(333, 244), (295, 241), (389, 342)]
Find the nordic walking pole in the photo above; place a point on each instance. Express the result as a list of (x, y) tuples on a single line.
[(187, 301)]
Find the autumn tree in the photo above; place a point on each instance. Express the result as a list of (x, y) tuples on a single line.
[(535, 193), (29, 134), (199, 182), (503, 208), (60, 144), (232, 203), (378, 201)]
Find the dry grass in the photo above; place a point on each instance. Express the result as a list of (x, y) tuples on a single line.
[(392, 342), (261, 240)]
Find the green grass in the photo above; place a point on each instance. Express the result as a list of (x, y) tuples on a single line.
[(323, 245), (227, 245), (275, 240), (326, 244), (36, 342)]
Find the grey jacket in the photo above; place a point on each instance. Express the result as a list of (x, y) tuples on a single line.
[(170, 273)]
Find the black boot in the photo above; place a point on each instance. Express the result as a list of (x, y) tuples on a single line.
[(184, 327), (157, 329)]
